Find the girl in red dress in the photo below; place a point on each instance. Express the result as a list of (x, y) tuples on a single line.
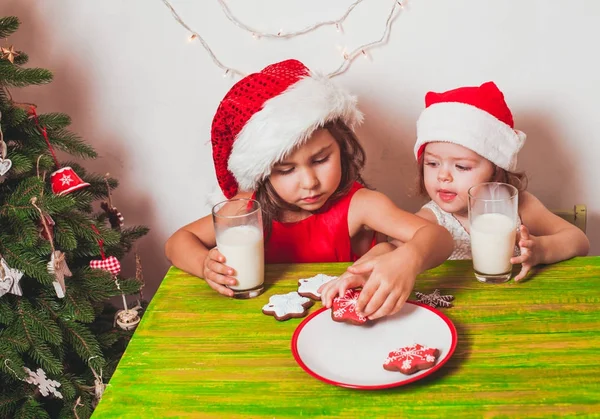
[(284, 136)]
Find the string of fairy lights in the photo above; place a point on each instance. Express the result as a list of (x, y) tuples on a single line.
[(347, 57)]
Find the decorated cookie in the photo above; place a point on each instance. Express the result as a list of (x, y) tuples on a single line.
[(343, 308), (287, 306), (411, 359), (309, 287), (435, 299)]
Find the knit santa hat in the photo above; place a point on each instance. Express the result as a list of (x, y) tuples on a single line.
[(266, 115), (475, 117)]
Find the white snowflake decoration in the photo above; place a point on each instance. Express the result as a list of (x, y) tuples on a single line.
[(290, 303), (409, 353), (45, 385), (312, 285), (347, 303)]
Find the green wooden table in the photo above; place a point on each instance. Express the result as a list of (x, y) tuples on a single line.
[(524, 350)]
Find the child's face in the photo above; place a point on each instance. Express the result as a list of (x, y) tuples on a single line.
[(449, 170), (310, 174)]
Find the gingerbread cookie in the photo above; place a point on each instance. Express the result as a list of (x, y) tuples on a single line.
[(343, 308), (287, 306), (309, 287), (435, 299), (411, 359)]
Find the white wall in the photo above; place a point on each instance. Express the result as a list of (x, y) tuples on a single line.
[(144, 96)]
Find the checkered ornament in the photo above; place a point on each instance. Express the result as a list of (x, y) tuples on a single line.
[(110, 264)]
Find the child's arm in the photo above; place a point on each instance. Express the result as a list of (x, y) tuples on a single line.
[(426, 245), (545, 237), (350, 280), (191, 248)]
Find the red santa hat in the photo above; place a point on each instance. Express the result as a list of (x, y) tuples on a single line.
[(266, 115), (475, 117)]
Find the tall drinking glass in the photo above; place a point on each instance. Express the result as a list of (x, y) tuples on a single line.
[(239, 234), (493, 217)]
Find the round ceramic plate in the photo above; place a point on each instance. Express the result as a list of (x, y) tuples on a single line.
[(352, 356)]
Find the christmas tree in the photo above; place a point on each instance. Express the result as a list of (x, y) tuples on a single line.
[(59, 260)]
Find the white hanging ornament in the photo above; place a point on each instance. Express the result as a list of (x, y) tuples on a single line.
[(5, 164), (58, 267), (9, 279), (45, 385), (128, 319)]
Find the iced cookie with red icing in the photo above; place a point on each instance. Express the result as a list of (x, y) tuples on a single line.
[(343, 309), (287, 306), (411, 359), (309, 287)]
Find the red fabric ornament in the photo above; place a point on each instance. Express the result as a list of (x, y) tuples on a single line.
[(50, 224), (65, 181), (110, 264), (115, 218)]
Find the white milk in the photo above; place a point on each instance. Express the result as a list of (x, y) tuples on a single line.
[(492, 243), (243, 248)]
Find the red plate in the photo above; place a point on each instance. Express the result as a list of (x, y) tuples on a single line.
[(352, 356)]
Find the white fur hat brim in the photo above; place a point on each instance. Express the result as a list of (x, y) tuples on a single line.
[(285, 122), (470, 127)]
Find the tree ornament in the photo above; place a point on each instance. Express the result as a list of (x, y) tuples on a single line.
[(45, 385), (47, 232), (139, 274), (115, 218), (5, 164), (110, 264), (64, 180), (9, 54), (127, 319), (58, 267), (435, 299), (9, 279)]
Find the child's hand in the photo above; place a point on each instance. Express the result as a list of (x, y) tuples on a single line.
[(217, 274), (339, 286), (388, 287), (529, 253)]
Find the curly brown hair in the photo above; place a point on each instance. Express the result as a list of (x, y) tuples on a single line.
[(516, 179), (352, 157)]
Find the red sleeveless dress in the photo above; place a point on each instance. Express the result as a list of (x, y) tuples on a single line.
[(322, 237)]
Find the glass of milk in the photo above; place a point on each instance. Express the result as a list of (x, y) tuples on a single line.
[(493, 219), (239, 234)]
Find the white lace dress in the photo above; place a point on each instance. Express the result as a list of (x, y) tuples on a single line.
[(462, 239)]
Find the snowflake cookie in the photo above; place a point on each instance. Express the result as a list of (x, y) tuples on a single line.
[(287, 306), (343, 308), (309, 287), (435, 299), (411, 359)]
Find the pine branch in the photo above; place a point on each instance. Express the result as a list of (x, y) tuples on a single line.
[(38, 323), (12, 75), (83, 341), (78, 308), (7, 314), (42, 354), (54, 121), (8, 26), (9, 402), (31, 409)]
